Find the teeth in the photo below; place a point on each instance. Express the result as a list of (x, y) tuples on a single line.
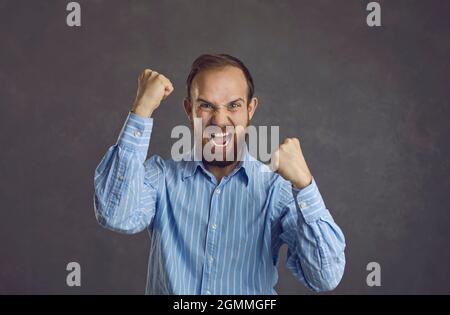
[(224, 136), (218, 144), (220, 134)]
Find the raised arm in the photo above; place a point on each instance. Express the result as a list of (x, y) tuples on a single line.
[(127, 185)]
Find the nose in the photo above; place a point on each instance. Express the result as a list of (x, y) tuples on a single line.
[(220, 118)]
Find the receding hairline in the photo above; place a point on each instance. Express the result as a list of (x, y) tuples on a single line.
[(219, 68), (216, 62)]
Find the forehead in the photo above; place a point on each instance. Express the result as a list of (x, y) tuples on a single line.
[(220, 85)]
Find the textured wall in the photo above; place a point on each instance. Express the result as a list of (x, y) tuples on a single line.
[(371, 106)]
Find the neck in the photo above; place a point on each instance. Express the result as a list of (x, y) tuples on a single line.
[(220, 171)]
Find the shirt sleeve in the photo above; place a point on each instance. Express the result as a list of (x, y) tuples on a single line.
[(315, 242), (126, 185)]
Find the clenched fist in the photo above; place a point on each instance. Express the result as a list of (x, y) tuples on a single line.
[(153, 87), (289, 162)]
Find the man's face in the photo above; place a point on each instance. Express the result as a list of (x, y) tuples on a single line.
[(219, 99)]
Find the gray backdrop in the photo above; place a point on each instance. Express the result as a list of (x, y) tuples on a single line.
[(371, 106)]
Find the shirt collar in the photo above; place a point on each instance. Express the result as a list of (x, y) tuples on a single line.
[(193, 163)]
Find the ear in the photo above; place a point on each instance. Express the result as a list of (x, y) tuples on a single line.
[(188, 108), (251, 107)]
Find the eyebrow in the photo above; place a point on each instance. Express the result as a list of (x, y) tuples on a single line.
[(205, 101)]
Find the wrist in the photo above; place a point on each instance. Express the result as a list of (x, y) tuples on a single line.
[(302, 183), (142, 111)]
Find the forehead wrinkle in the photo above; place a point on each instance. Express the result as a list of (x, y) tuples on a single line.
[(215, 86), (233, 100)]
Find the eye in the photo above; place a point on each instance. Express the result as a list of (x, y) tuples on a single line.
[(205, 106), (234, 106)]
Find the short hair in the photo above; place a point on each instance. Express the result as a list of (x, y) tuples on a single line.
[(217, 61)]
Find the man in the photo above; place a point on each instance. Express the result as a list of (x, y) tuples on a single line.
[(216, 225)]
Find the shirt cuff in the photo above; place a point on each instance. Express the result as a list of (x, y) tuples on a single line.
[(135, 133), (310, 202)]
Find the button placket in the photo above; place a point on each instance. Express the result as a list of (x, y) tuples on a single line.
[(212, 234), (210, 242)]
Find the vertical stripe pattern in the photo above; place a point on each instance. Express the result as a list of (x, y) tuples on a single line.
[(215, 238)]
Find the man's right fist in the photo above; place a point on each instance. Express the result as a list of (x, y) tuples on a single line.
[(153, 87)]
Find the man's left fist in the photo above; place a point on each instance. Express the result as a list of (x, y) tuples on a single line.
[(289, 162)]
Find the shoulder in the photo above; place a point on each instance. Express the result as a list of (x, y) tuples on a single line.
[(277, 190), (166, 167), (261, 174)]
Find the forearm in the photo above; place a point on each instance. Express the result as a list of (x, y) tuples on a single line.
[(317, 232), (315, 243), (122, 202)]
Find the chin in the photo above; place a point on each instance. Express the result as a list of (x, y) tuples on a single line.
[(222, 156), (218, 163)]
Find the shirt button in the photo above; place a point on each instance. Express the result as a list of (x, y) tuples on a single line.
[(137, 133), (214, 226), (303, 204), (121, 178), (218, 191), (208, 292), (211, 259)]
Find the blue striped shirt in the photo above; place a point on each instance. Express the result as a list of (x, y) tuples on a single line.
[(215, 238)]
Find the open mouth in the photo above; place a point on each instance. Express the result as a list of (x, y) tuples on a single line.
[(221, 139)]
